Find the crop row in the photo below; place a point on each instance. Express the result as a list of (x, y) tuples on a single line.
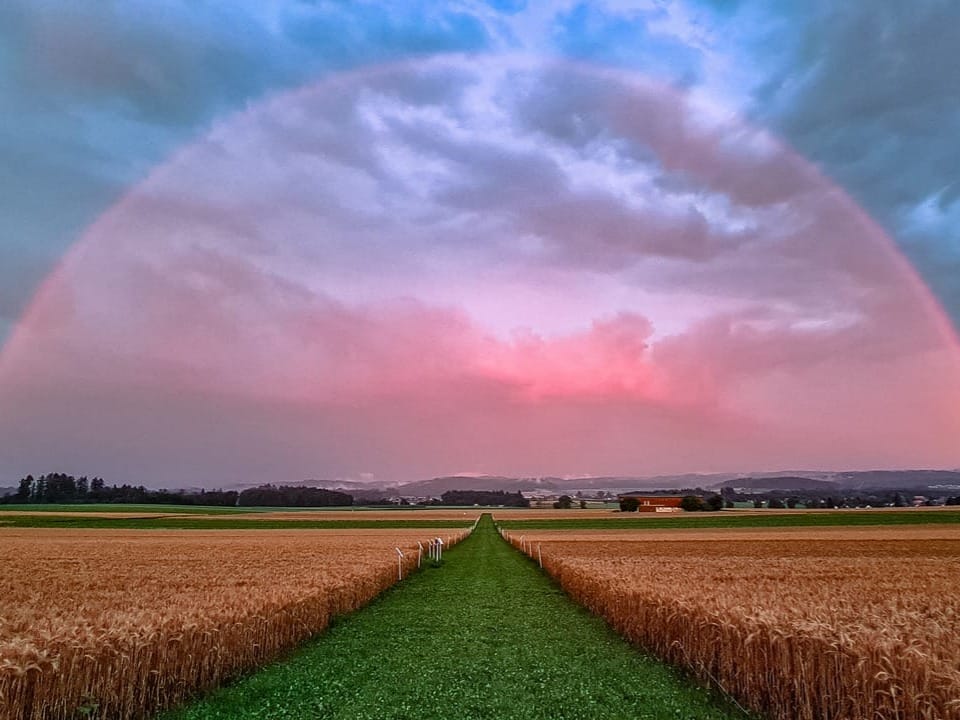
[(121, 624), (795, 627)]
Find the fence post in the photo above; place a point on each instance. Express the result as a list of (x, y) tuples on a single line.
[(399, 564)]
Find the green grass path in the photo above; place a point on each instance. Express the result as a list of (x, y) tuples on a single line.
[(485, 636)]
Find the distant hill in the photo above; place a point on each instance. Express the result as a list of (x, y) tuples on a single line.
[(813, 481), (435, 487), (897, 479), (346, 485), (439, 485), (782, 484)]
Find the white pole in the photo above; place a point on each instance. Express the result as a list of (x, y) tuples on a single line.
[(439, 549), (399, 564), (419, 552), (539, 556)]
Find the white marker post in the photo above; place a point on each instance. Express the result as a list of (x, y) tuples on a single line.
[(539, 556), (419, 553), (399, 564), (439, 549), (522, 545)]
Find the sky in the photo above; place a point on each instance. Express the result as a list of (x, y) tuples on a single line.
[(273, 241)]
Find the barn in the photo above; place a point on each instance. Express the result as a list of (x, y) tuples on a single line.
[(654, 503)]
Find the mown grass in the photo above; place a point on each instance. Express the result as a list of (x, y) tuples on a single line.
[(798, 518), (156, 522), (487, 635)]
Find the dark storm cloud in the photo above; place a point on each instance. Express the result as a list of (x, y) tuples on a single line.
[(872, 94)]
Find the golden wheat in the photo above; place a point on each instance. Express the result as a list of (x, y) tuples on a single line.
[(806, 624), (128, 622)]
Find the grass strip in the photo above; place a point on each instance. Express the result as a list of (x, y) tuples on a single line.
[(487, 635), (834, 518)]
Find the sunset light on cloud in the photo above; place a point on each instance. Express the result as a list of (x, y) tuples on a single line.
[(497, 261)]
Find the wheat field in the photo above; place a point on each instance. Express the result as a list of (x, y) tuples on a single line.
[(119, 624), (797, 624)]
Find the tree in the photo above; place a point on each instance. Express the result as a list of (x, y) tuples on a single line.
[(25, 491), (583, 504), (714, 502), (40, 489), (758, 503), (629, 504), (791, 503), (776, 504), (564, 502), (691, 503)]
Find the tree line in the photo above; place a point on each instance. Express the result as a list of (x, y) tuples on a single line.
[(61, 488), (484, 497)]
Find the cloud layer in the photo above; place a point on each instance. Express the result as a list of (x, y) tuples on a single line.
[(498, 264)]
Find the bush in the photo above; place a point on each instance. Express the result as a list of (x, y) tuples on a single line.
[(691, 503), (629, 504)]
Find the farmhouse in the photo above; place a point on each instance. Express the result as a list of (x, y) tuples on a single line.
[(654, 503)]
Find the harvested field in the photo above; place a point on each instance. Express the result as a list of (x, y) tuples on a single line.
[(120, 624), (800, 624), (466, 516), (772, 519), (535, 513), (460, 515)]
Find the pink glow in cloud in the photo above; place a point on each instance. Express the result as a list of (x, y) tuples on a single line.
[(495, 264)]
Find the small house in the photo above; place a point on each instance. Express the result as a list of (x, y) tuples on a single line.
[(654, 503)]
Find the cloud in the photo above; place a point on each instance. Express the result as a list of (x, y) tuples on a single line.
[(870, 94), (410, 269), (101, 93)]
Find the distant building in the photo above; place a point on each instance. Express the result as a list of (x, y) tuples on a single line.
[(654, 503)]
